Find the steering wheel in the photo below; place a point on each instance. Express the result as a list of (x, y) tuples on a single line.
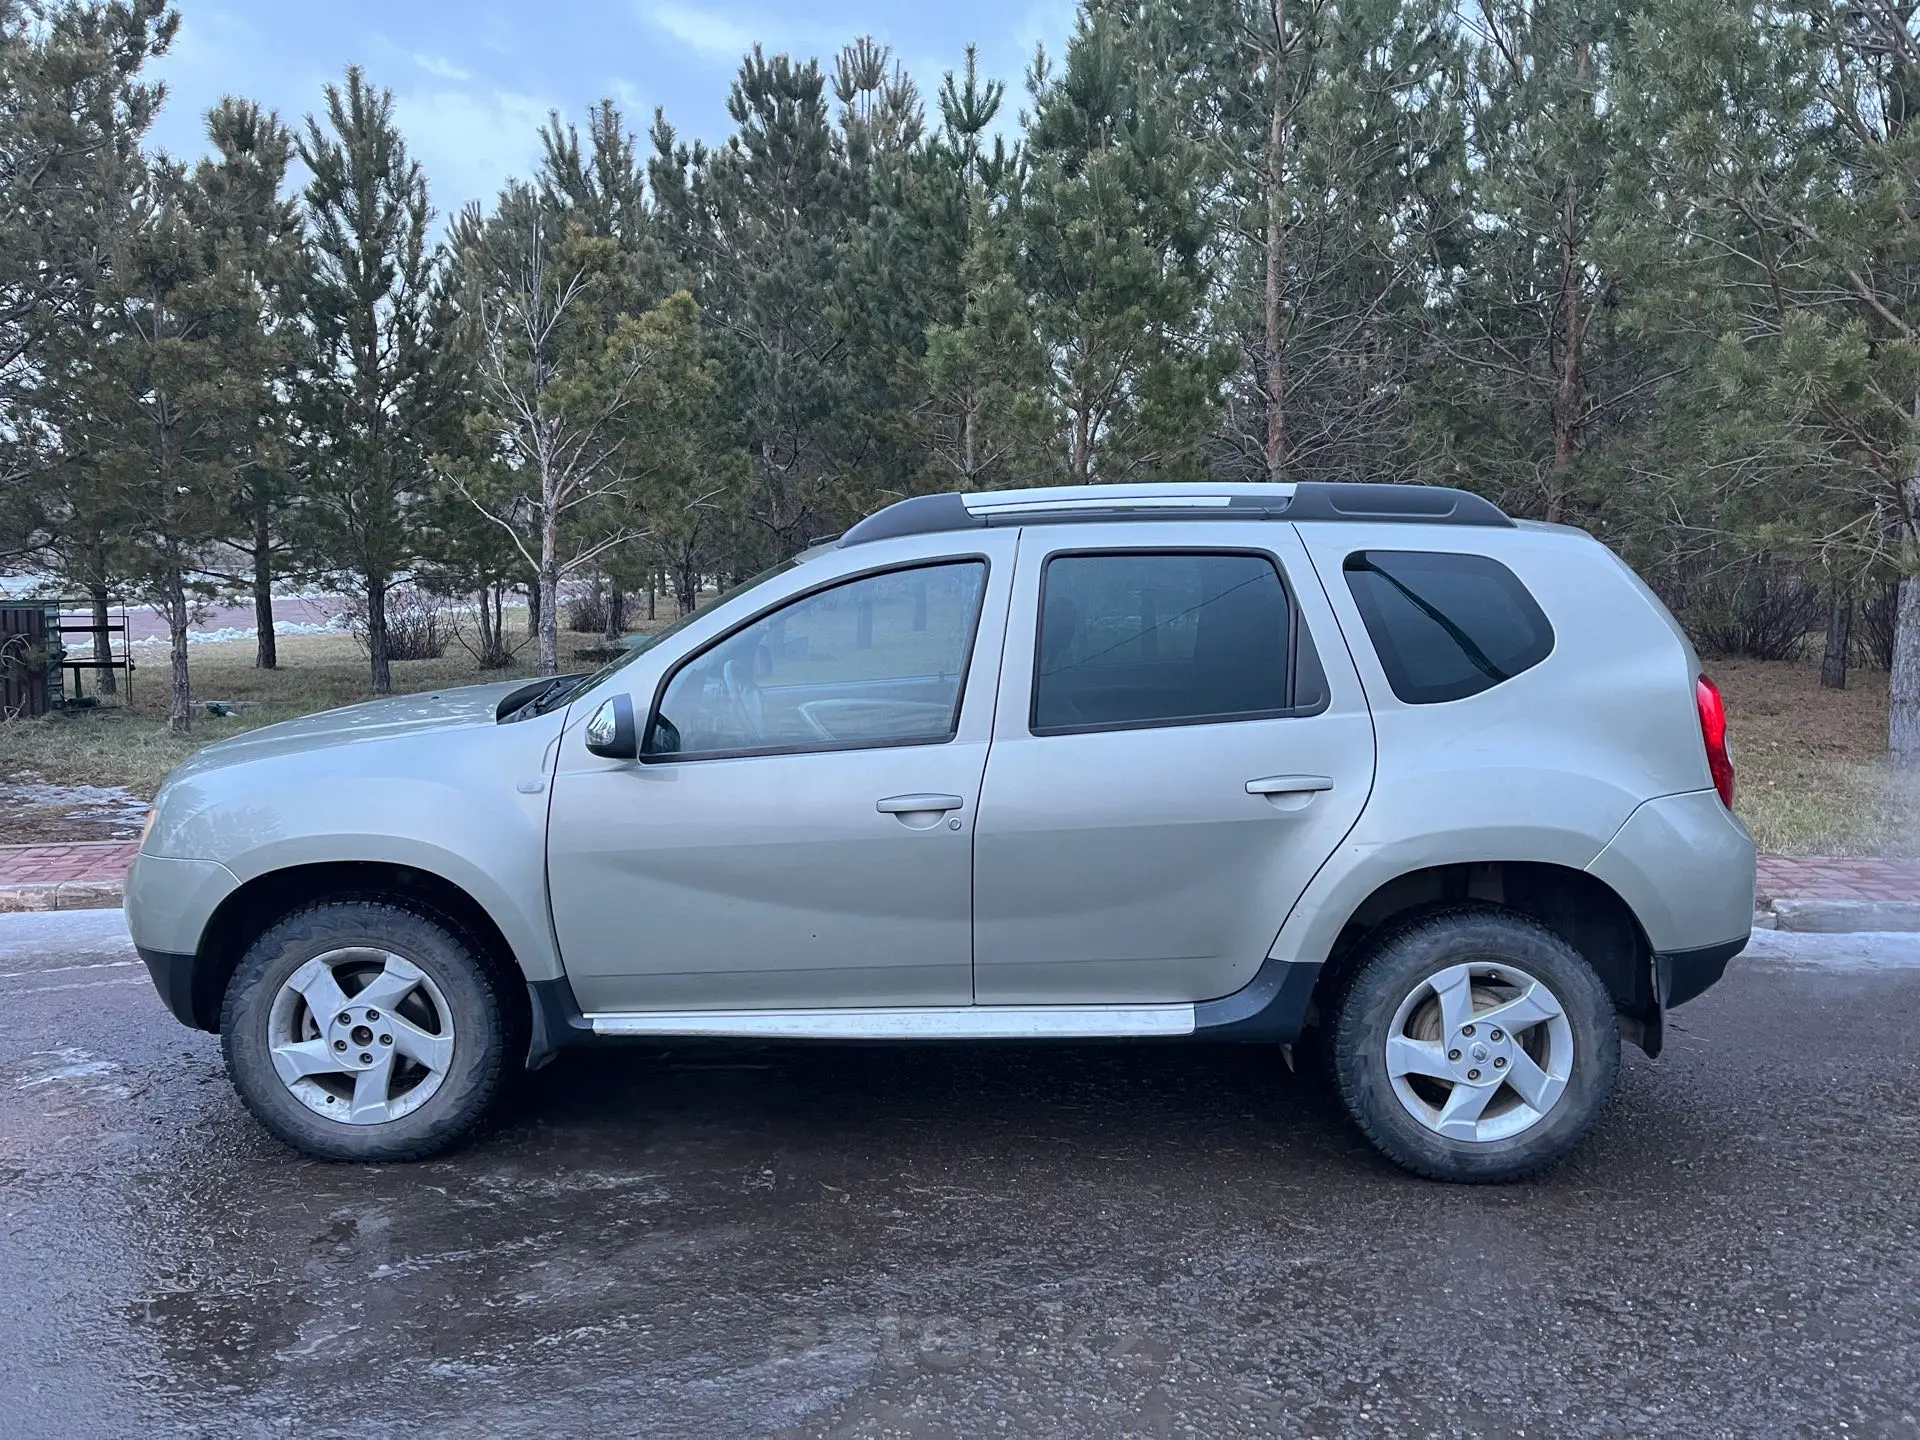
[(744, 697), (809, 713)]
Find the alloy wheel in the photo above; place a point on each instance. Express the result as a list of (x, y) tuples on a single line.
[(1480, 1051), (361, 1035)]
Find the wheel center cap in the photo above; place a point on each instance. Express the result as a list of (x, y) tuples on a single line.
[(1479, 1052)]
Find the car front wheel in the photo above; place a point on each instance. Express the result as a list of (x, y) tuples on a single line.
[(357, 1030), (1474, 1044)]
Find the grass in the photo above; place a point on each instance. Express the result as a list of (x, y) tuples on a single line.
[(1814, 778), (1812, 763)]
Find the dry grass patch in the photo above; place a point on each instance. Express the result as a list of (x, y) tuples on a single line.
[(1814, 777)]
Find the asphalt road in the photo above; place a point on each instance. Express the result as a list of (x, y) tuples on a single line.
[(970, 1241)]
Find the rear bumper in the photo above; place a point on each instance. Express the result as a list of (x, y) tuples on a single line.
[(1684, 865), (1680, 975)]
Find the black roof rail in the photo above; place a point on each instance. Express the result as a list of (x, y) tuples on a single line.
[(1310, 500)]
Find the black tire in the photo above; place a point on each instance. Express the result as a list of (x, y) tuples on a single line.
[(1402, 959), (471, 1080)]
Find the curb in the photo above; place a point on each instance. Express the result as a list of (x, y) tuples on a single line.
[(1839, 917), (62, 895)]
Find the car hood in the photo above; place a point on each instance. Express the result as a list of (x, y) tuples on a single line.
[(396, 716)]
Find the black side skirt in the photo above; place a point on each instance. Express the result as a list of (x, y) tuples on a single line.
[(1271, 1007)]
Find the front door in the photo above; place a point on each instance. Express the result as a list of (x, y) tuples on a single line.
[(799, 831), (1181, 742)]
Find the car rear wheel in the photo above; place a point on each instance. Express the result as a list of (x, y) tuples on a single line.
[(1474, 1044), (357, 1030)]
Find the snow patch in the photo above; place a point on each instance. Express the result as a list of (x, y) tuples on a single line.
[(99, 804)]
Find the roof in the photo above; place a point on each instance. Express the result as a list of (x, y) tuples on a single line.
[(1306, 501)]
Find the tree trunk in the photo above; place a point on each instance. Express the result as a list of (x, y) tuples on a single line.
[(549, 620), (616, 614), (266, 654), (1903, 683), (1833, 663), (486, 626), (653, 597), (180, 710), (1903, 733), (533, 607), (686, 587), (1079, 464), (105, 682), (969, 443), (377, 634), (1566, 400), (549, 576), (1276, 296)]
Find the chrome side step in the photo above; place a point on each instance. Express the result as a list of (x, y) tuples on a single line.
[(934, 1022)]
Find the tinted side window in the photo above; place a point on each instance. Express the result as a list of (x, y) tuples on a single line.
[(1446, 626), (1128, 640), (875, 661)]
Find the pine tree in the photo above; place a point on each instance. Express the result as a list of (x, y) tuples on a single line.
[(74, 107), (252, 231), (779, 199), (1533, 367), (1786, 173), (173, 418), (1113, 249), (361, 463)]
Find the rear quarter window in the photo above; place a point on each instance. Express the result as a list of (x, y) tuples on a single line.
[(1446, 626)]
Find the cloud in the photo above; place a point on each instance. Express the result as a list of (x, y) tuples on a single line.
[(702, 30), (442, 68), (469, 142)]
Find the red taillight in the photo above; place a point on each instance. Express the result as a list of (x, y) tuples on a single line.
[(1713, 730)]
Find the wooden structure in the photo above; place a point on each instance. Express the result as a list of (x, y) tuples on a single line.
[(35, 660), (29, 669), (112, 647)]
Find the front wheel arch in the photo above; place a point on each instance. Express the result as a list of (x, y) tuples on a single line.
[(266, 899)]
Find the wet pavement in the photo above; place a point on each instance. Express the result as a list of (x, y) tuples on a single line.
[(1078, 1241)]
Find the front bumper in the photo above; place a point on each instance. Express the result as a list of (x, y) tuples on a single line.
[(173, 976), (1680, 975), (169, 903)]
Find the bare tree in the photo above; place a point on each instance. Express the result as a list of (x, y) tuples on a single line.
[(553, 387)]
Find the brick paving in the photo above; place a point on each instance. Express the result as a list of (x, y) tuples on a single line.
[(1815, 877), (54, 864)]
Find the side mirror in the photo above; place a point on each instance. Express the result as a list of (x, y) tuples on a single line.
[(611, 733)]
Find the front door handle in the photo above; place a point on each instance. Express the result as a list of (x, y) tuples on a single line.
[(918, 804), (1290, 785)]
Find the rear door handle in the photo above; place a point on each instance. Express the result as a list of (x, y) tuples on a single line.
[(918, 804), (1290, 785)]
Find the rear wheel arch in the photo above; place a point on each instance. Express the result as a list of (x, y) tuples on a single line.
[(1582, 910), (266, 899)]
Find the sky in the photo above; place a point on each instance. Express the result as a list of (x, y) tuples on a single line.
[(473, 82)]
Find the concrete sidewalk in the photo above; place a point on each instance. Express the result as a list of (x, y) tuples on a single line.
[(1795, 892)]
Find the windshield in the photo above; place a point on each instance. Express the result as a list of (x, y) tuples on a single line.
[(643, 643)]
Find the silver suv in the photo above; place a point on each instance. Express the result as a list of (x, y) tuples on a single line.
[(1370, 765)]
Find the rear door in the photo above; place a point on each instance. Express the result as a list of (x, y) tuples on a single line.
[(1180, 741)]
